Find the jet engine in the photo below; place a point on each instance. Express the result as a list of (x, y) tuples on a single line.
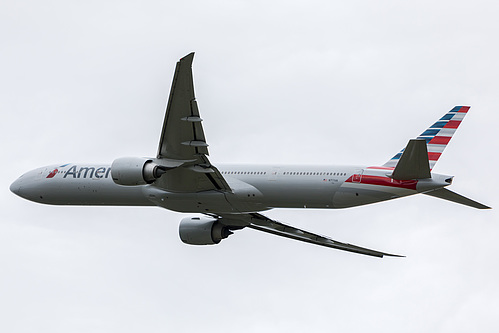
[(132, 171), (202, 231)]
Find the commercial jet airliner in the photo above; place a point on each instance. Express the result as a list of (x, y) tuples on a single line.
[(232, 197)]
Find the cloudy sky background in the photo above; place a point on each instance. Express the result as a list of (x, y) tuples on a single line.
[(314, 82)]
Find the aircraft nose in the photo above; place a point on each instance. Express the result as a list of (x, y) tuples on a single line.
[(28, 186), (15, 187)]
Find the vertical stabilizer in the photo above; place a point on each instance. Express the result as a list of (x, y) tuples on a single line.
[(437, 136)]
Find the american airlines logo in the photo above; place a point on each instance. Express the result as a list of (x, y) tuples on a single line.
[(53, 173), (82, 172)]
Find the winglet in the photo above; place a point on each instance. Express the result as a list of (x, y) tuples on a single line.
[(413, 163)]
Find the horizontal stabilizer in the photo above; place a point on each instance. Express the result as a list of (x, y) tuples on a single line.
[(446, 194), (413, 163)]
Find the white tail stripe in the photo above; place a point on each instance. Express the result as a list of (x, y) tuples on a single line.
[(458, 116), (447, 132), (391, 163), (435, 148)]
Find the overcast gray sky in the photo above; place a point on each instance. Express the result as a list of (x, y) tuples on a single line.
[(315, 82)]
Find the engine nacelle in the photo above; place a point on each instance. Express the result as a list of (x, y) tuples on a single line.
[(132, 171), (202, 231)]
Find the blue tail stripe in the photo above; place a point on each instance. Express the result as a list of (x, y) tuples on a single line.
[(448, 116), (428, 139), (439, 124), (430, 132)]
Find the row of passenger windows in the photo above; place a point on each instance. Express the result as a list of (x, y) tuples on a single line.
[(315, 173), (287, 173), (244, 172)]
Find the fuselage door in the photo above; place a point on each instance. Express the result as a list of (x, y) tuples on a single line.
[(357, 176), (274, 173)]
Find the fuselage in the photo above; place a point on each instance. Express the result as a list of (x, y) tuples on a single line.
[(254, 188)]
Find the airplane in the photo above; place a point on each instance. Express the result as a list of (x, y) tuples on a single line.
[(231, 197)]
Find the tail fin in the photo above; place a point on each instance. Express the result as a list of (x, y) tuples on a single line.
[(437, 136)]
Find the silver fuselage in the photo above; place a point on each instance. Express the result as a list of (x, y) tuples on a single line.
[(254, 188)]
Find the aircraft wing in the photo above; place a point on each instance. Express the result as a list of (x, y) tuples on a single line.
[(262, 223), (182, 145)]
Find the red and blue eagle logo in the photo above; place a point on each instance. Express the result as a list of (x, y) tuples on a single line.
[(55, 171)]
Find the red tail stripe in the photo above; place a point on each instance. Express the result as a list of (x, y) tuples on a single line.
[(440, 140), (452, 124), (434, 156)]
